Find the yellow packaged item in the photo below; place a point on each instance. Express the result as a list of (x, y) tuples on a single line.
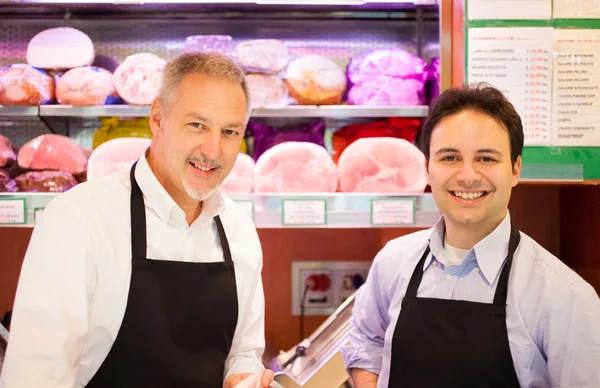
[(115, 127)]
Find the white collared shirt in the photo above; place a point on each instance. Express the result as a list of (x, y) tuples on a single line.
[(74, 282)]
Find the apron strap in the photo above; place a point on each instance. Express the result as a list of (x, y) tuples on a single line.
[(502, 288), (417, 276), (138, 219), (223, 238)]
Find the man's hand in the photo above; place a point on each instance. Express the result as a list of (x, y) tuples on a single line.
[(233, 380)]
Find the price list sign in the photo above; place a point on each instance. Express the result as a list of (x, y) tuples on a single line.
[(517, 61), (576, 81)]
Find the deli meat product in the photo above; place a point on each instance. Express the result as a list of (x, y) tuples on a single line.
[(241, 177), (45, 181), (316, 80), (7, 184), (267, 91), (387, 91), (295, 167), (53, 152), (24, 85), (7, 151), (86, 86), (269, 56), (115, 155), (60, 48), (138, 78), (382, 165)]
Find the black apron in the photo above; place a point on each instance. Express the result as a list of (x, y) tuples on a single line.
[(453, 343), (180, 318)]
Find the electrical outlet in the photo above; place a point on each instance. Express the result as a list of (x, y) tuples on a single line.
[(317, 285)]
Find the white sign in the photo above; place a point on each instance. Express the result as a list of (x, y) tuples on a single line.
[(12, 211), (304, 212), (393, 212), (509, 9), (248, 207), (4, 333), (37, 214), (576, 80), (580, 9), (517, 61)]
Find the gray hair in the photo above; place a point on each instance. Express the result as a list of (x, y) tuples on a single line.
[(209, 63)]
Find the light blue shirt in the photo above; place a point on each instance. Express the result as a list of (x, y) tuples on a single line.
[(553, 315)]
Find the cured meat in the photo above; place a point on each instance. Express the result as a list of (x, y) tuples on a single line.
[(7, 184), (53, 152), (295, 167), (316, 80), (394, 62), (208, 43), (267, 136), (387, 91), (24, 85), (382, 165), (138, 78), (7, 151), (269, 56), (267, 91), (60, 48), (241, 177), (86, 86), (45, 181), (115, 155)]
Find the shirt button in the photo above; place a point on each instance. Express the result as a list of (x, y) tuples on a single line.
[(448, 276), (477, 269), (435, 263)]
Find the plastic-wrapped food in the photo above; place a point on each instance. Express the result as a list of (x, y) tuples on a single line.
[(266, 136), (399, 127), (115, 155), (53, 152), (60, 48), (316, 80), (86, 86), (138, 78), (241, 177), (382, 165), (269, 56), (115, 127), (387, 91), (295, 167), (7, 184), (25, 85), (7, 151), (267, 91), (207, 43), (45, 181), (252, 381), (433, 80)]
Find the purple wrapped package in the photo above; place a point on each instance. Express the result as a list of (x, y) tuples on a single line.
[(433, 80), (7, 184), (266, 136)]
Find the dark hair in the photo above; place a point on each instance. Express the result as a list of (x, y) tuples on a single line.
[(482, 98)]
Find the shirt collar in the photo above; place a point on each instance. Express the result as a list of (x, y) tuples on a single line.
[(157, 198)]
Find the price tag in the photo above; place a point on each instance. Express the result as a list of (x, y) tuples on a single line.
[(393, 211), (304, 212), (38, 212), (4, 333), (248, 206), (13, 211)]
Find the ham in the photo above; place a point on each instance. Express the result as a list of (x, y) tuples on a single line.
[(7, 151), (267, 91), (45, 181), (24, 85), (316, 80), (115, 155), (241, 177), (138, 78), (60, 48), (269, 56), (86, 86), (53, 152), (382, 165), (295, 167), (7, 184)]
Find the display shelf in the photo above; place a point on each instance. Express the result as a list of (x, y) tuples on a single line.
[(339, 210), (18, 112), (94, 111)]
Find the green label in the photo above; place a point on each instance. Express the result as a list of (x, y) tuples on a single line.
[(13, 211)]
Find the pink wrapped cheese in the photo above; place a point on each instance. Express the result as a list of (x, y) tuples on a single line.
[(267, 91), (86, 86), (138, 78), (241, 177), (7, 151), (316, 80), (53, 152), (24, 85), (269, 56), (295, 167), (115, 155), (382, 165), (60, 48)]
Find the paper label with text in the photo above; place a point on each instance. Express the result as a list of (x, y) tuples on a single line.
[(393, 212), (304, 212), (13, 211)]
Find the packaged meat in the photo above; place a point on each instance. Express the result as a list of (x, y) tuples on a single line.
[(241, 177), (53, 152), (115, 155), (25, 85), (86, 86), (7, 184), (382, 165), (45, 181), (138, 78), (7, 151), (298, 167), (400, 127), (267, 136), (269, 56), (252, 381), (433, 80), (207, 43), (60, 48), (387, 91), (267, 91), (316, 80), (394, 62), (116, 127)]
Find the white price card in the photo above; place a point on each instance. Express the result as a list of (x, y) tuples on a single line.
[(393, 211), (13, 211), (38, 212), (580, 9), (248, 206), (509, 9), (304, 212)]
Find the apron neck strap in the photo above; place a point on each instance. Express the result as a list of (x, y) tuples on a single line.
[(138, 218), (223, 239)]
